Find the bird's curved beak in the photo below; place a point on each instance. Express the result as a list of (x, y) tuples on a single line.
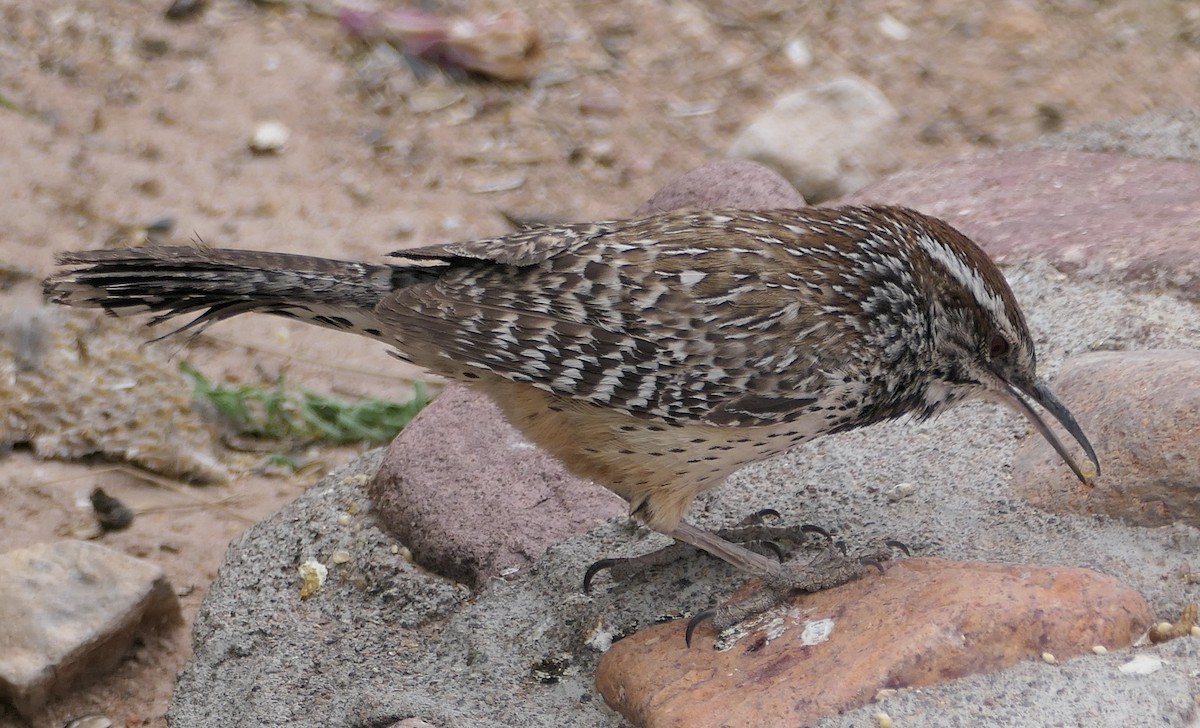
[(1014, 396)]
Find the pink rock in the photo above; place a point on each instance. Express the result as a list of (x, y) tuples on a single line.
[(1142, 411), (472, 498), (1119, 217), (727, 183)]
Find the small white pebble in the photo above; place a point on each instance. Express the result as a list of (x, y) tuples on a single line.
[(798, 53), (900, 491), (340, 556), (884, 720), (269, 137), (343, 519), (403, 227), (1049, 658), (1141, 665), (395, 549), (893, 28), (1100, 650), (884, 693)]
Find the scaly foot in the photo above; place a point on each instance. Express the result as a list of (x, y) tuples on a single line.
[(752, 531), (829, 568)]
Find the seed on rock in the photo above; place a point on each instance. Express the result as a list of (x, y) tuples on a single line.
[(269, 137)]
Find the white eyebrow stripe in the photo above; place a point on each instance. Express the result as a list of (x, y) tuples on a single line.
[(965, 274)]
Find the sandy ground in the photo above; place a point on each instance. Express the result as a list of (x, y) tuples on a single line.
[(112, 117)]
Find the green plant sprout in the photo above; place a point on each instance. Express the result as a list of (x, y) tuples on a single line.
[(275, 413)]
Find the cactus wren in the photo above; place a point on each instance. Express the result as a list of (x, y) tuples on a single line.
[(654, 356)]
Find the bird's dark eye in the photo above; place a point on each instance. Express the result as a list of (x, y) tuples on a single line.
[(997, 347)]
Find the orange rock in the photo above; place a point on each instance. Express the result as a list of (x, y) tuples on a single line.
[(924, 621)]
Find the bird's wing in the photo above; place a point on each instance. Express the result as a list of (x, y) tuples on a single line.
[(526, 247), (687, 317)]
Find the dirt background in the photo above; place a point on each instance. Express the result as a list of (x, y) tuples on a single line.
[(113, 117)]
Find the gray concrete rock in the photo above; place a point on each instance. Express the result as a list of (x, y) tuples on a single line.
[(68, 612), (827, 140), (267, 655), (1142, 410)]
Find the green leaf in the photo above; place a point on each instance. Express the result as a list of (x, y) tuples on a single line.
[(275, 413)]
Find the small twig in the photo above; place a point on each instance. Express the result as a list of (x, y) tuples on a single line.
[(177, 488), (174, 486)]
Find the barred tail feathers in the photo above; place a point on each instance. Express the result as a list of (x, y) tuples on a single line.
[(220, 283)]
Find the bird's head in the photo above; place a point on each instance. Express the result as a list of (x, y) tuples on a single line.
[(981, 346)]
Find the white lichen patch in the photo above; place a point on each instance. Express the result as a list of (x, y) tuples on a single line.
[(1142, 665), (816, 631), (601, 635), (771, 625)]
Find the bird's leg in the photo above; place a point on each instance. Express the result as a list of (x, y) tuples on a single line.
[(623, 568), (829, 568), (740, 556), (751, 530)]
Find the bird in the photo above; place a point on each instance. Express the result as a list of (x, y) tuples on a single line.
[(655, 355)]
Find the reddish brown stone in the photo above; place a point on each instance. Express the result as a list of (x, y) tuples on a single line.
[(472, 498), (1141, 410), (923, 622), (727, 183), (1120, 217)]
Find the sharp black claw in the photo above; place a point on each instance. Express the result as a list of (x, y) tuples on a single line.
[(594, 569), (872, 562), (757, 518), (810, 528), (775, 548), (898, 545), (697, 619)]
